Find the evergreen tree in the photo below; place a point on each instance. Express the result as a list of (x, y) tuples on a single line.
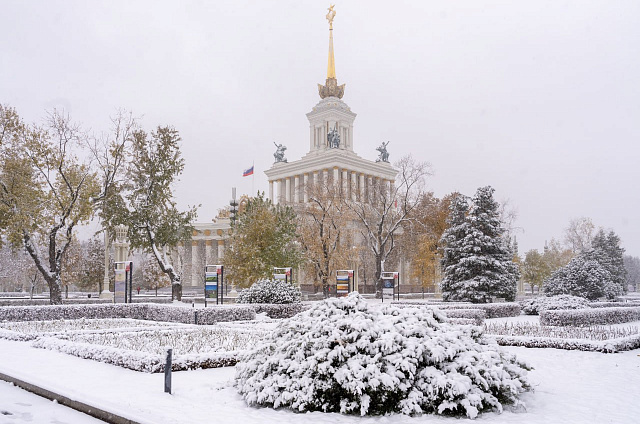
[(607, 251), (479, 264), (583, 276), (451, 240)]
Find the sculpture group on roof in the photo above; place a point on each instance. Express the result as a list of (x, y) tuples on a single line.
[(279, 154), (384, 155), (333, 138)]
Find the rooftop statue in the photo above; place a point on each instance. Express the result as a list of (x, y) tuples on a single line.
[(279, 154), (384, 155), (333, 138)]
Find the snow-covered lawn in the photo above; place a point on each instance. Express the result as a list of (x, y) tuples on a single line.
[(570, 387)]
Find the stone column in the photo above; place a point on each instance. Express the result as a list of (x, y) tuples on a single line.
[(105, 293), (195, 263), (345, 184), (121, 244), (280, 191), (207, 252), (336, 178), (325, 177), (287, 189), (296, 189), (271, 191), (220, 250), (369, 187), (305, 179), (362, 187), (354, 185)]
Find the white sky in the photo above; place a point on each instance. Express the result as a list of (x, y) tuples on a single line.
[(539, 99)]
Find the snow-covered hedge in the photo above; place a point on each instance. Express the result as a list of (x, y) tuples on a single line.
[(33, 302), (143, 311), (270, 291), (604, 346), (343, 355), (474, 316), (592, 316), (613, 304), (136, 360), (543, 303), (279, 311), (492, 310)]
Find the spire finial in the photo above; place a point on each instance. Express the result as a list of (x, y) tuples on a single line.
[(331, 88)]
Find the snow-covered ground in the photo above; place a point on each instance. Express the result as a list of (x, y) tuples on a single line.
[(20, 406), (570, 387)]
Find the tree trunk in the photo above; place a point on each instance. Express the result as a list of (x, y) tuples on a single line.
[(176, 291), (55, 290), (378, 278)]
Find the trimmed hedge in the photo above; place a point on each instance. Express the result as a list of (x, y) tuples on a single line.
[(492, 310), (276, 311), (593, 316), (604, 346), (142, 311), (85, 301)]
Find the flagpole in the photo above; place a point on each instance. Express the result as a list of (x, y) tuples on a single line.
[(253, 177)]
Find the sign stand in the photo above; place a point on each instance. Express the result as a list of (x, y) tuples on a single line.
[(283, 274), (123, 285), (389, 282), (344, 282), (213, 283)]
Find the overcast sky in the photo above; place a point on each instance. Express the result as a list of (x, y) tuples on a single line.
[(540, 99)]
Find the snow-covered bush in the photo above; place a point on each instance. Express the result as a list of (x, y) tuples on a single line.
[(270, 291), (543, 303), (591, 316), (143, 311), (492, 310), (474, 316), (343, 355), (33, 302), (275, 311), (582, 277)]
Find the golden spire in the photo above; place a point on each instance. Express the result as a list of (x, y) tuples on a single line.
[(331, 88), (331, 67)]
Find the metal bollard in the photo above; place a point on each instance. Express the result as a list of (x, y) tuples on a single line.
[(167, 372)]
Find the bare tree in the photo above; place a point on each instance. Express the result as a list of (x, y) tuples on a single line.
[(324, 233), (579, 234), (385, 209)]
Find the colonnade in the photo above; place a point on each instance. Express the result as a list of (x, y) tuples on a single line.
[(355, 185)]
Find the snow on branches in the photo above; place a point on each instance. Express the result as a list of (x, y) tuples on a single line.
[(343, 355), (270, 291)]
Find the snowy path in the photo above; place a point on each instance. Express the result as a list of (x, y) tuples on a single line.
[(571, 387), (20, 406)]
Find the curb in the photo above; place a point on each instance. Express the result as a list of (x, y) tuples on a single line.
[(98, 413)]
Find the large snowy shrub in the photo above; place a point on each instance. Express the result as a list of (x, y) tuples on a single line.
[(543, 303), (343, 355), (270, 291), (582, 277)]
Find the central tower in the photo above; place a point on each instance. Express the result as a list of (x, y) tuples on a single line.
[(331, 156)]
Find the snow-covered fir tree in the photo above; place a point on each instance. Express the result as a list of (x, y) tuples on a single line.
[(478, 264), (452, 240), (608, 252), (583, 276)]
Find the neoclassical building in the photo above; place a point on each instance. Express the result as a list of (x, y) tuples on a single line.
[(331, 157)]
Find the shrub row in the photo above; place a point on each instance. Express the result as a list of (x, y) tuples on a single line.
[(85, 301), (142, 311), (134, 360), (614, 304), (276, 311), (457, 316), (492, 310), (592, 316), (605, 346)]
